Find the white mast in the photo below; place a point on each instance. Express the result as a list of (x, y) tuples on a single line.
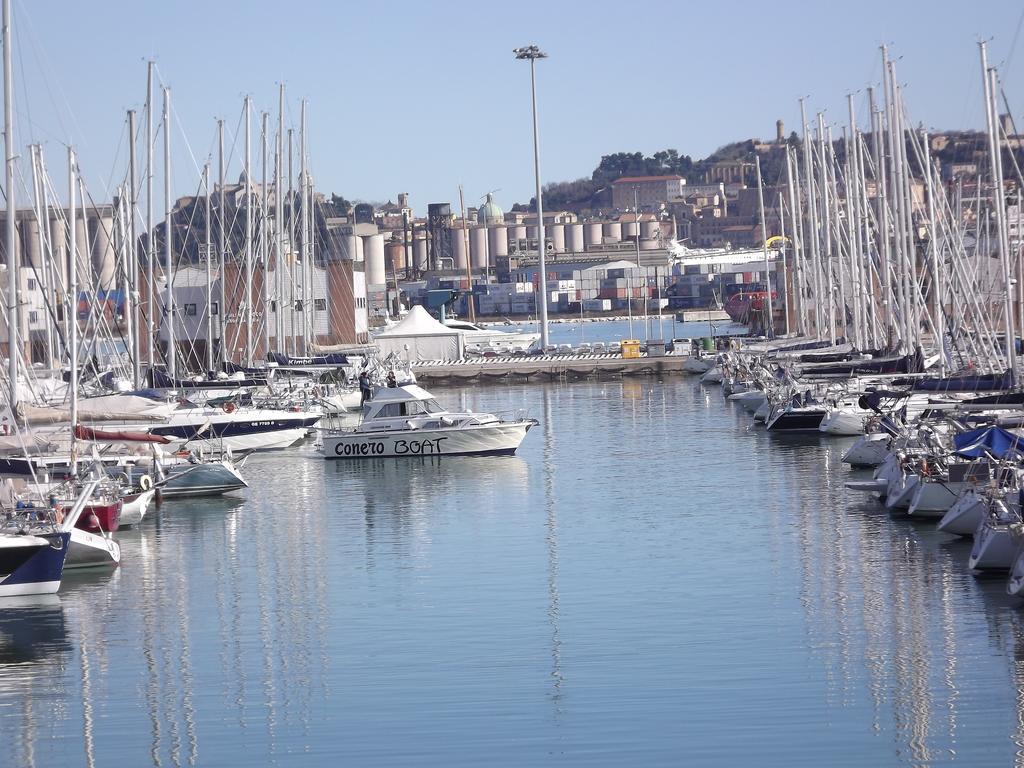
[(150, 250), (172, 363), (999, 200), (131, 257), (304, 228), (209, 271), (769, 325), (279, 220), (222, 248), (291, 247), (812, 236), (13, 313), (72, 313), (248, 237), (264, 234), (38, 192)]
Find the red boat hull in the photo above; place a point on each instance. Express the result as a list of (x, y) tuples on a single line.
[(100, 517)]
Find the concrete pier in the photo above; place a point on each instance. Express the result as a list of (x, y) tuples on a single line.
[(545, 367)]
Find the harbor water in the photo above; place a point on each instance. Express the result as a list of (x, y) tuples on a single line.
[(651, 580)]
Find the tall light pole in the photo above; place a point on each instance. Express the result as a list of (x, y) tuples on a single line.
[(532, 52)]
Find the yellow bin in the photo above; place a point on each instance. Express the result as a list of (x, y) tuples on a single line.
[(631, 348)]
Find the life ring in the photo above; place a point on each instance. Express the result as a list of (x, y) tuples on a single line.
[(145, 482), (228, 407)]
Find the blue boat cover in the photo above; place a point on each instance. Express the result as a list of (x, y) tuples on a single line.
[(994, 441)]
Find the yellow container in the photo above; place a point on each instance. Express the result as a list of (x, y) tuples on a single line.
[(631, 348)]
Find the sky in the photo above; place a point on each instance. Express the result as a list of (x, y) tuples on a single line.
[(424, 97)]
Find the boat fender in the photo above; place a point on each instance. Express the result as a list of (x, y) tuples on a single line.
[(229, 407), (145, 482), (94, 521)]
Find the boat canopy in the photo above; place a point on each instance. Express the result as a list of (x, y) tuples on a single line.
[(995, 441)]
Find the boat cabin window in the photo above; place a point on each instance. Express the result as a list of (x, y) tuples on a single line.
[(409, 408)]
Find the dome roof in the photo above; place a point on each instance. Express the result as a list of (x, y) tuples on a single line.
[(490, 212)]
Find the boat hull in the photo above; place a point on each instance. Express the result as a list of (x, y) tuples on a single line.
[(38, 569), (87, 550), (480, 440)]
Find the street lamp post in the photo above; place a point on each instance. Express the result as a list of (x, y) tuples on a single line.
[(532, 53)]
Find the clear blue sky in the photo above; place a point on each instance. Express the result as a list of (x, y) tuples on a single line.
[(420, 97)]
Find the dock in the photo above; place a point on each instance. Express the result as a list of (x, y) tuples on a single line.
[(546, 367)]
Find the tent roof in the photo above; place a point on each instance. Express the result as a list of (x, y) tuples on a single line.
[(418, 323)]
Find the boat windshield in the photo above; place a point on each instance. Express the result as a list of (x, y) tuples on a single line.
[(409, 408)]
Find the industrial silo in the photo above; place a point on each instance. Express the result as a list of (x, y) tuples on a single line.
[(349, 247), (394, 256), (592, 233), (419, 253), (360, 250), (59, 250), (556, 234), (612, 231), (497, 241), (649, 229), (649, 244), (630, 230), (517, 232), (573, 238), (373, 249), (459, 249), (28, 234), (478, 247), (102, 231)]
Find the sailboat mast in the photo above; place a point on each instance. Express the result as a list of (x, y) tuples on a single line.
[(172, 363), (304, 240), (279, 220), (209, 270), (150, 250), (248, 234), (131, 257), (72, 314), (769, 323), (222, 248), (42, 221), (264, 234), (13, 323)]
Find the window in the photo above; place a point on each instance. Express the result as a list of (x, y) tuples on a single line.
[(298, 305), (31, 284), (320, 305), (33, 317), (215, 308), (390, 411), (190, 310), (273, 306)]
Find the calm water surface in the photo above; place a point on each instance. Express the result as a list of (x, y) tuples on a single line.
[(650, 581)]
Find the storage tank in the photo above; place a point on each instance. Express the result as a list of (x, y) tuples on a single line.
[(394, 256), (59, 249), (498, 242), (419, 253), (373, 249), (459, 249), (556, 234), (360, 253), (649, 229), (629, 230), (573, 238), (103, 258), (478, 247), (649, 244), (28, 236), (517, 232), (612, 231), (592, 233), (348, 247)]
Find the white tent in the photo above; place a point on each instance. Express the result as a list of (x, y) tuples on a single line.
[(420, 337)]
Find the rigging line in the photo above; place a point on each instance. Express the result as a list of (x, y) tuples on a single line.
[(31, 38), (1013, 44)]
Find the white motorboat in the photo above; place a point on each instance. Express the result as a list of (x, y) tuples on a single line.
[(236, 429), (480, 339), (408, 421), (135, 505), (844, 420)]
